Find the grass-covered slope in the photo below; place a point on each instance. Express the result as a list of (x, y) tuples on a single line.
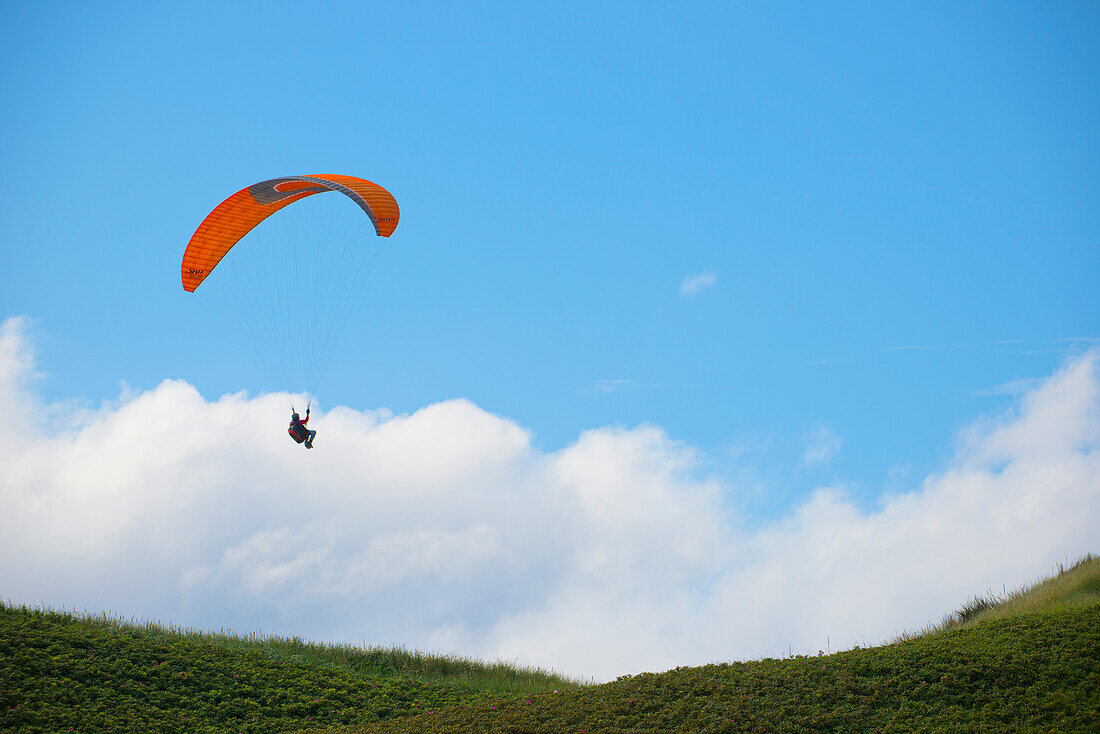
[(1025, 661), (1075, 587), (62, 672), (1038, 672)]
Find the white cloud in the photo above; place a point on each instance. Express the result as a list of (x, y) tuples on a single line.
[(445, 529), (916, 348), (1015, 387), (697, 283), (822, 444), (609, 385), (834, 360)]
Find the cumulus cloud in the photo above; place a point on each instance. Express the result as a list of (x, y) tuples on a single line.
[(444, 529), (822, 444), (697, 283)]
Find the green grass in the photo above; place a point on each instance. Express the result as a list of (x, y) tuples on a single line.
[(1028, 673), (1028, 660), (1073, 587), (62, 671)]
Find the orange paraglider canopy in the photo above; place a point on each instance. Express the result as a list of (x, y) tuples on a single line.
[(240, 213)]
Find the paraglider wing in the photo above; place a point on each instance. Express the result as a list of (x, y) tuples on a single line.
[(240, 213)]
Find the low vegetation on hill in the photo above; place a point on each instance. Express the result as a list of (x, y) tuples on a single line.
[(1074, 587), (64, 672), (1028, 660)]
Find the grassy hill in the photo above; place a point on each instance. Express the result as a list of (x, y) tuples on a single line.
[(71, 672), (1075, 587), (1027, 660)]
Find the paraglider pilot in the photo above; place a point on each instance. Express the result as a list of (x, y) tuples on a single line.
[(298, 430)]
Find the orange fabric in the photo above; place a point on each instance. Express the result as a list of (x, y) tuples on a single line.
[(240, 213)]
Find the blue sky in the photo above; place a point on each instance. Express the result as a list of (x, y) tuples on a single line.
[(898, 204)]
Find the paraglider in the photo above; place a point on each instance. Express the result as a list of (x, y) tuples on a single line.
[(298, 430), (240, 213), (291, 282)]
